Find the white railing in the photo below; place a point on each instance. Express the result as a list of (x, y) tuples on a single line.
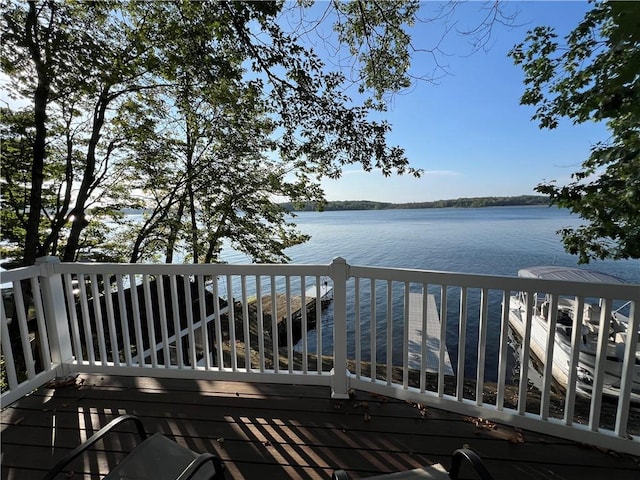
[(246, 322)]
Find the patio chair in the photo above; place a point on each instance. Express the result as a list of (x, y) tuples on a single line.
[(155, 457), (432, 472)]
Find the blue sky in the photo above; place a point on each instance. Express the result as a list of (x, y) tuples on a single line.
[(468, 132)]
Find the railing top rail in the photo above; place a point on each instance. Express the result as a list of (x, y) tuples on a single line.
[(21, 273), (197, 269), (469, 280)]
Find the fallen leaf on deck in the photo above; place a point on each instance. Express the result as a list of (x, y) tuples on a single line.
[(380, 398), (517, 437), (59, 382), (482, 423)]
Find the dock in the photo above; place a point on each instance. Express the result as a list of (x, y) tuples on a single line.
[(295, 309), (326, 294), (432, 344)]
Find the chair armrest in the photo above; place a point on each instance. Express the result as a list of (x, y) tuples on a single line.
[(93, 439), (198, 462), (471, 457)]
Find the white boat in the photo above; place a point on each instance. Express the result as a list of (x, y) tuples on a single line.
[(565, 322)]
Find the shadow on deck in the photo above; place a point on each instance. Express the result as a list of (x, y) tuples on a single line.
[(279, 432)]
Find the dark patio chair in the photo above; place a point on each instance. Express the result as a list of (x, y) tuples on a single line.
[(433, 472), (155, 457)]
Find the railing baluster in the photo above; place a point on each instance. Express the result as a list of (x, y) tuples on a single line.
[(164, 326), (373, 340), (339, 376), (177, 323), (633, 326), (151, 329), (97, 315), (405, 339), (113, 336), (319, 345), (570, 394), (444, 311), (274, 326), (601, 360), (7, 350), (232, 325), (524, 354), (547, 376), (358, 333), (137, 321), (124, 321), (218, 323), (204, 333), (483, 326), (42, 328), (245, 323), (289, 325), (303, 323), (73, 320), (502, 357), (423, 338), (260, 320), (462, 344), (389, 332), (84, 306), (188, 303)]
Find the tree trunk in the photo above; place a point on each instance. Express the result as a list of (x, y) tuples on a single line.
[(190, 192), (173, 235), (86, 187), (41, 98), (62, 206)]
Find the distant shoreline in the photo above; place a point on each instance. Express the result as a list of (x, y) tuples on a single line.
[(475, 202), (472, 202)]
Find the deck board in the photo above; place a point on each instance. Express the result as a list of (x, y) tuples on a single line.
[(277, 431)]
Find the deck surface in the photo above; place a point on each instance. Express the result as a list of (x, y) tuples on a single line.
[(432, 332), (279, 432)]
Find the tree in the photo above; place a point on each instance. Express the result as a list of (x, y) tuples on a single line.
[(75, 75), (595, 77), (174, 53), (204, 114)]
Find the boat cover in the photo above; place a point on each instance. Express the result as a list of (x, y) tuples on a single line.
[(569, 274)]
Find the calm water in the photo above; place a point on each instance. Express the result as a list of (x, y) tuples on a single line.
[(498, 241)]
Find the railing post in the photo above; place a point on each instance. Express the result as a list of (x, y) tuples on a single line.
[(339, 381), (55, 311)]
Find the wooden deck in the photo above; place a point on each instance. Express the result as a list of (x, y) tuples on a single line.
[(279, 432)]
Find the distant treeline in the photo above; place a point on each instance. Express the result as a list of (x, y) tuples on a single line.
[(456, 203)]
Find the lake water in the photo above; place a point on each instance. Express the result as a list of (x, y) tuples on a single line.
[(495, 240)]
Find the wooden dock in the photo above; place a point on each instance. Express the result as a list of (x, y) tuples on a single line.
[(293, 306), (432, 344), (310, 294)]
